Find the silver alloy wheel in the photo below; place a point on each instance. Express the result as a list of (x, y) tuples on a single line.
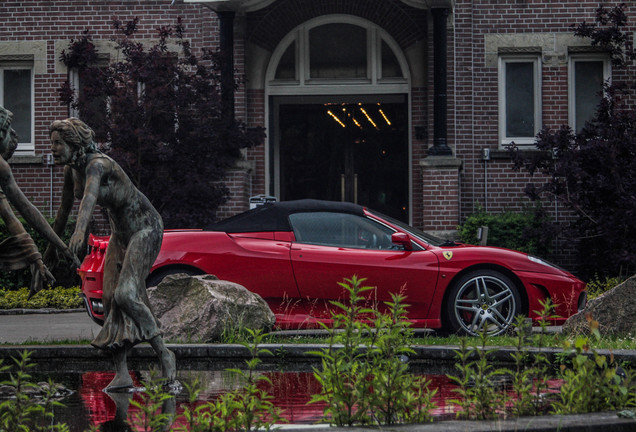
[(485, 301)]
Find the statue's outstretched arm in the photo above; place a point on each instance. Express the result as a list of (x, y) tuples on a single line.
[(94, 173), (24, 251), (28, 211), (61, 218)]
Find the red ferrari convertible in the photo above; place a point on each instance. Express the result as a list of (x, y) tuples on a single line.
[(294, 253)]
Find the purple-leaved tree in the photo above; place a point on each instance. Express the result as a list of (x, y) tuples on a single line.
[(159, 114), (594, 171)]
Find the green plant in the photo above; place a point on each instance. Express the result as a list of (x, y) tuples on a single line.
[(397, 396), (593, 382), (344, 369), (523, 377), (478, 383), (598, 285), (246, 409), (528, 231), (363, 376), (64, 274), (23, 413), (153, 413), (54, 298)]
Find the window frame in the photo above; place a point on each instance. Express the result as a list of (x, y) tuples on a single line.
[(25, 148), (583, 57), (503, 60)]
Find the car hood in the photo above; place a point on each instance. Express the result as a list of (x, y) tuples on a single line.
[(511, 259)]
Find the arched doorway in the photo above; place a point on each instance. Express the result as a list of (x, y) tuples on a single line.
[(338, 103)]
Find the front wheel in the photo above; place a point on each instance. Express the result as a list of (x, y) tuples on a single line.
[(483, 300)]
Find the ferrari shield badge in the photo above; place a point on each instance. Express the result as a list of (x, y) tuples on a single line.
[(448, 255)]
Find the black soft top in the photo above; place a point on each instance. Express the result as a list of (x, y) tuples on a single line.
[(275, 216)]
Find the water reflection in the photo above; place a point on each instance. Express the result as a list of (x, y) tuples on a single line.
[(291, 392)]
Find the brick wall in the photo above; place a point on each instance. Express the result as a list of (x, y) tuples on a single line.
[(55, 24), (475, 115), (472, 84)]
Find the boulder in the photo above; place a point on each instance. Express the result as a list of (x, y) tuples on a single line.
[(615, 311), (202, 308)]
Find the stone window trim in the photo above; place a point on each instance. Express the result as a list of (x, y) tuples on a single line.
[(106, 49), (553, 47)]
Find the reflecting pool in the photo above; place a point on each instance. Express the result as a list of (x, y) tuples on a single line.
[(291, 391)]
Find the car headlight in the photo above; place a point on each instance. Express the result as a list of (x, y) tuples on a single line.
[(537, 260)]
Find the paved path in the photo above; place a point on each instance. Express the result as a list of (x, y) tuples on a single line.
[(58, 327), (47, 327)]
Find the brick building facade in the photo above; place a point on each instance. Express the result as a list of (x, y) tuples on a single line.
[(459, 79)]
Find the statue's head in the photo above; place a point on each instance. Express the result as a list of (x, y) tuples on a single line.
[(8, 137), (76, 134)]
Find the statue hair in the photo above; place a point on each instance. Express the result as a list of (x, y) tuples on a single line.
[(8, 137), (77, 134)]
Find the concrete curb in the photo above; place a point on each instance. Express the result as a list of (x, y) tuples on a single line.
[(595, 422), (23, 311), (279, 353)]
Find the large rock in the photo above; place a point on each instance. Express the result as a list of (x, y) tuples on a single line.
[(615, 311), (202, 308)]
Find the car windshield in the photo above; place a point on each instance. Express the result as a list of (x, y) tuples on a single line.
[(414, 232)]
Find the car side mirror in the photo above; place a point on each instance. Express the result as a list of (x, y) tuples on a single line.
[(402, 239)]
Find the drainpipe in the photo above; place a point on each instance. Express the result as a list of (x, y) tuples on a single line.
[(226, 22)]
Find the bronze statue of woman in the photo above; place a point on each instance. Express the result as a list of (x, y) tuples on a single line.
[(136, 235), (19, 250)]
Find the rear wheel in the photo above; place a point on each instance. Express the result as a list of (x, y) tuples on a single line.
[(483, 300), (157, 276)]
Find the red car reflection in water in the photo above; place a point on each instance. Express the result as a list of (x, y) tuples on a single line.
[(291, 392)]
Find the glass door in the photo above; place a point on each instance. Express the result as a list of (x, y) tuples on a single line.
[(355, 151)]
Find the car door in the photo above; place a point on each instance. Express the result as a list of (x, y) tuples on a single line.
[(331, 247)]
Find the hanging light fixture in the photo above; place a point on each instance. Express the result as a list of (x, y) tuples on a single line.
[(335, 117), (386, 119)]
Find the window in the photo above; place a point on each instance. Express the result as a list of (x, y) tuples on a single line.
[(16, 95), (519, 99), (340, 230), (335, 48), (587, 73), (338, 51)]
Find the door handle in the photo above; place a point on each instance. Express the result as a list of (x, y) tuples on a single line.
[(355, 188), (342, 187)]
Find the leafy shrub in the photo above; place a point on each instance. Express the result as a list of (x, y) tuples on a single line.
[(64, 274), (23, 412), (593, 382), (54, 298), (363, 376), (597, 285), (527, 231)]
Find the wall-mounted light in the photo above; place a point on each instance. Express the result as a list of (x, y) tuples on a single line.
[(485, 154)]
